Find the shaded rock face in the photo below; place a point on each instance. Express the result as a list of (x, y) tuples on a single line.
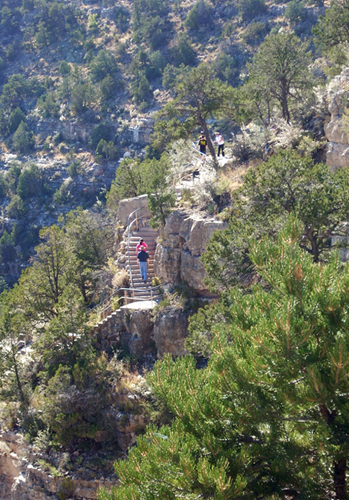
[(127, 206), (141, 329), (170, 332), (185, 239), (130, 330), (337, 130)]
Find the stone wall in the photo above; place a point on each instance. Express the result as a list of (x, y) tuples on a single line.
[(135, 330), (186, 237)]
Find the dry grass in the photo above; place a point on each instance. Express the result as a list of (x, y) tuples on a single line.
[(233, 176), (121, 280)]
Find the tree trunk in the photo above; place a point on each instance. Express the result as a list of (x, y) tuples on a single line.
[(339, 479), (284, 103), (203, 125)]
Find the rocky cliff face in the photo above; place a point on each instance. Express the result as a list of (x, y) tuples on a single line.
[(21, 478), (337, 130), (136, 331), (170, 332), (186, 236)]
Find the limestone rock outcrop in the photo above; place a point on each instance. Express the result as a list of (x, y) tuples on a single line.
[(170, 331), (186, 237), (337, 130), (128, 205)]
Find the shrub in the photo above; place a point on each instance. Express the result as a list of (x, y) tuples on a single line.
[(63, 194), (28, 5), (82, 97), (66, 489), (200, 15), (16, 117), (296, 12), (106, 150), (108, 87), (23, 139), (141, 89), (157, 63), (227, 68), (7, 249), (182, 52), (64, 68), (30, 183), (15, 209), (121, 19), (48, 105), (255, 32), (74, 168), (11, 52), (102, 65), (248, 9), (100, 131), (169, 76)]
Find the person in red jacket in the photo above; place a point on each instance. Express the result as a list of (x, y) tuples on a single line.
[(141, 244), (143, 258)]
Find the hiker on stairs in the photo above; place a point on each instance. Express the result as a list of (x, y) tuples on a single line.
[(141, 244), (143, 258)]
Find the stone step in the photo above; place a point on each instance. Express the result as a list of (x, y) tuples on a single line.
[(145, 229), (135, 268), (134, 263), (137, 275), (149, 243), (148, 236), (133, 255), (133, 247)]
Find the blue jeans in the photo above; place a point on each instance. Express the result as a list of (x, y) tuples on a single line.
[(143, 267)]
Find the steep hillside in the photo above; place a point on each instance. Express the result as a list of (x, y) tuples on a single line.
[(81, 81)]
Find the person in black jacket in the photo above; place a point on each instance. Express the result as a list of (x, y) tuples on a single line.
[(143, 258), (202, 143)]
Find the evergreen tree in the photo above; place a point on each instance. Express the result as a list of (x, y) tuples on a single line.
[(13, 378), (198, 95), (286, 184), (268, 417), (129, 182), (23, 139), (332, 29), (281, 68), (248, 9), (16, 117), (161, 199)]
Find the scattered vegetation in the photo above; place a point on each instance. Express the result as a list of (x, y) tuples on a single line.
[(273, 345)]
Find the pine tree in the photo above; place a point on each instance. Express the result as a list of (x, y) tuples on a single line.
[(198, 95), (268, 417), (286, 184)]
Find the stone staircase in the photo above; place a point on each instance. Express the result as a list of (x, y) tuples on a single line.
[(149, 236)]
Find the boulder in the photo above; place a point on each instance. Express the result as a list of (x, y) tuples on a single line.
[(170, 331), (129, 205)]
